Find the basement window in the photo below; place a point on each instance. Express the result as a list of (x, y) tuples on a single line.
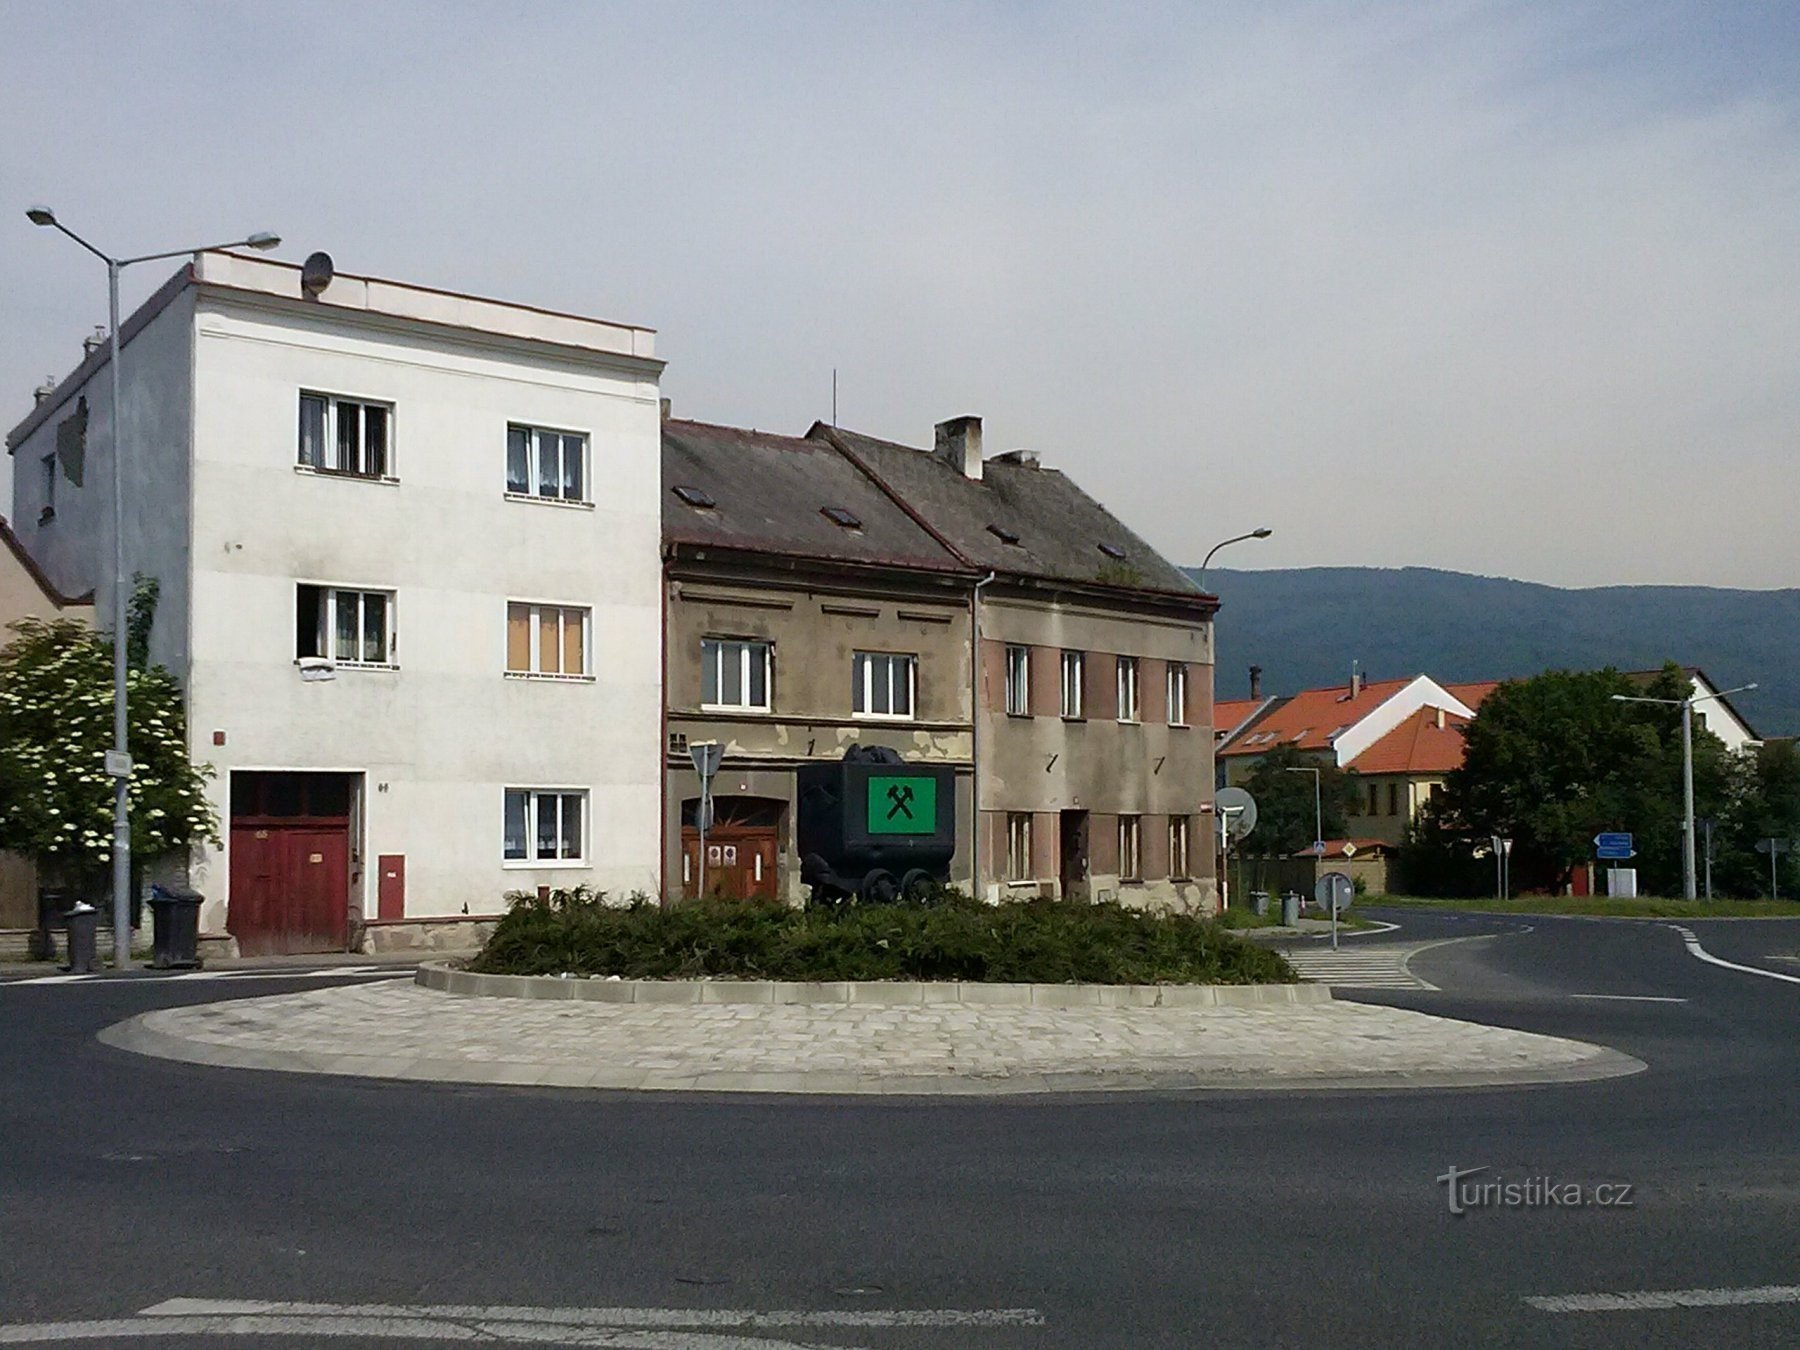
[(837, 515)]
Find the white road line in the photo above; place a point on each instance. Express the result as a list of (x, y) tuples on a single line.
[(613, 1317), (1695, 949), (1632, 998), (1653, 1299), (390, 1330)]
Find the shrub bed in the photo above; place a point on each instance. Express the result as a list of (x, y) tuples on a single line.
[(1034, 942)]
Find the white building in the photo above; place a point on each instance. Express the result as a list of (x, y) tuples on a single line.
[(409, 552)]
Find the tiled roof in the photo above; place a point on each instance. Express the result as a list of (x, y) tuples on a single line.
[(1229, 713), (1063, 534), (1336, 848), (1473, 692), (17, 548), (770, 493), (1310, 719), (1417, 745)]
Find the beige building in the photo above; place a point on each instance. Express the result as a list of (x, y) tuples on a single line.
[(26, 593)]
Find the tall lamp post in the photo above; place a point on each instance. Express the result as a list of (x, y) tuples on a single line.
[(1687, 771), (1263, 533), (118, 763)]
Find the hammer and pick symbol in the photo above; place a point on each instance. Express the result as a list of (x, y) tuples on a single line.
[(899, 795)]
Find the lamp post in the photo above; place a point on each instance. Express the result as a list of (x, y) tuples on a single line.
[(1263, 533), (1687, 771), (118, 763)]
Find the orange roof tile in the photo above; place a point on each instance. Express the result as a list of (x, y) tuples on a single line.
[(1473, 692), (1417, 745), (1310, 719), (1229, 713)]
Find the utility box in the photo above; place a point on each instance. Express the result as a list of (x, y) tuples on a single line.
[(875, 827)]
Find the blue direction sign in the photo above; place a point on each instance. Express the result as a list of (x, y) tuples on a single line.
[(1613, 845)]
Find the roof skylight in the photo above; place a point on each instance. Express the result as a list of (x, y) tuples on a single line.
[(837, 515), (1003, 534), (1112, 551), (698, 498)]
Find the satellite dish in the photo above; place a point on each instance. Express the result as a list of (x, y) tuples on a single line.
[(316, 274), (1237, 809)]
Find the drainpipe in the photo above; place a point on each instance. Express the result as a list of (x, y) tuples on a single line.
[(975, 731)]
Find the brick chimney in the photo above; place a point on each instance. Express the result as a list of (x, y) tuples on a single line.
[(1255, 681), (43, 391), (93, 342), (959, 445)]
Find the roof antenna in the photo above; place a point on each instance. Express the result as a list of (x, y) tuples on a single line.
[(834, 397)]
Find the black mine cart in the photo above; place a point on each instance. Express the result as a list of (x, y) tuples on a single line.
[(875, 827)]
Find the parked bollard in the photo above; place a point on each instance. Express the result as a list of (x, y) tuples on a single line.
[(1290, 908), (84, 926)]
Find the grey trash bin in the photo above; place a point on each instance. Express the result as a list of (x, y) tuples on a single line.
[(83, 922), (1290, 908), (175, 916), (1259, 903)]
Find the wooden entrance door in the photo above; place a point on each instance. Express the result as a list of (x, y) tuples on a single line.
[(742, 848), (290, 863)]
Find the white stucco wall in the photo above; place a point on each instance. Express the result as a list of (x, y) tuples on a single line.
[(439, 739)]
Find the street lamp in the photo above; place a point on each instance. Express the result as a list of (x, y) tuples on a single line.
[(1687, 771), (118, 763), (1263, 533), (1318, 809)]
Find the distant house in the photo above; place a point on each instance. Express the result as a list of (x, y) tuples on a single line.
[(1401, 737), (1716, 715), (26, 593)]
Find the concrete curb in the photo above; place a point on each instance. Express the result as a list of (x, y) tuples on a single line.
[(448, 979), (135, 1036)]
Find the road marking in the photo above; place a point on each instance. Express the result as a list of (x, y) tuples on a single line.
[(1633, 998), (1380, 968), (1695, 949), (622, 1328), (1650, 1300)]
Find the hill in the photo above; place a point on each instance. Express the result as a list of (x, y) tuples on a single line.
[(1305, 626)]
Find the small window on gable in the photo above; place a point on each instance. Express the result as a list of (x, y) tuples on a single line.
[(1112, 551), (1003, 534), (698, 498), (837, 515)]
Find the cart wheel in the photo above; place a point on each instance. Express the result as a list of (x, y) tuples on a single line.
[(917, 886), (878, 888)]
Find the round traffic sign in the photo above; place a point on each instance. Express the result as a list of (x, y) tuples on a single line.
[(1334, 891)]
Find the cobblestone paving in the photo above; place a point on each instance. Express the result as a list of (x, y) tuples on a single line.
[(399, 1030)]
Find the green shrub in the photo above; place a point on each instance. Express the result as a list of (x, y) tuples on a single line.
[(1036, 942)]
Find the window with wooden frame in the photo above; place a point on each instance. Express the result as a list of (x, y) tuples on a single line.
[(347, 627), (735, 674), (1074, 685), (547, 465), (1018, 846), (544, 827), (1018, 681), (1178, 848), (883, 684), (1128, 689), (1131, 863), (548, 640), (348, 436), (1178, 692)]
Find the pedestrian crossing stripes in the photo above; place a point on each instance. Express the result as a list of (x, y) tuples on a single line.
[(1364, 968), (304, 973)]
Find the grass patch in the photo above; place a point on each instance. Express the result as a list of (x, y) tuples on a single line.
[(1639, 907), (1031, 942)]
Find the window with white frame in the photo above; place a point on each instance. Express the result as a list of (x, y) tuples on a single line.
[(882, 684), (547, 639), (1018, 846), (1074, 684), (734, 674), (1178, 846), (1131, 867), (1018, 681), (347, 627), (1128, 689), (545, 825), (549, 465), (1178, 690), (346, 435)]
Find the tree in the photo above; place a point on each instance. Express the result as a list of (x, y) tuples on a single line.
[(1285, 818), (56, 800), (1554, 760), (1764, 804)]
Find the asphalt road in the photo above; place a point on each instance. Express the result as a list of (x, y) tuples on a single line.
[(1310, 1219)]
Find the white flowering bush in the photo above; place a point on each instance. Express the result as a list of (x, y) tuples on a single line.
[(56, 725)]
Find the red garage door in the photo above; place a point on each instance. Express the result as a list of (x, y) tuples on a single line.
[(290, 862)]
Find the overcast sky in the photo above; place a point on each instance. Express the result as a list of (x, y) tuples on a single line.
[(1503, 288)]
